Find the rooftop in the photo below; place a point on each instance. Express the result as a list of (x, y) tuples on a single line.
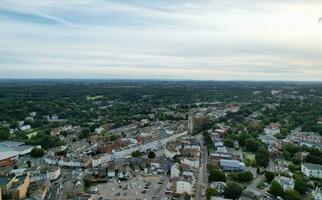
[(5, 179), (312, 166)]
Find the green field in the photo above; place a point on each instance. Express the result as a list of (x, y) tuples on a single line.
[(94, 97), (32, 134), (249, 156)]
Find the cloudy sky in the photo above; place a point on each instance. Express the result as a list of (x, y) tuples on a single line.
[(161, 39)]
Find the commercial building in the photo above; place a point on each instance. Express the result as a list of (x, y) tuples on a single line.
[(232, 165), (10, 152)]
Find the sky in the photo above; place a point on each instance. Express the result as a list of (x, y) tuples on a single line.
[(162, 39)]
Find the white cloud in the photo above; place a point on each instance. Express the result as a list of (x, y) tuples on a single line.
[(219, 39)]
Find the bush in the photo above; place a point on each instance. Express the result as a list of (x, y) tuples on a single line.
[(37, 152)]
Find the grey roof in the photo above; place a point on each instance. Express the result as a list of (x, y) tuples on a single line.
[(10, 149), (8, 154), (11, 144), (229, 163), (312, 166), (5, 179)]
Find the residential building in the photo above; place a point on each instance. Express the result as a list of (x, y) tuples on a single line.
[(219, 186), (48, 173), (317, 194), (175, 171), (312, 170), (15, 187), (272, 129), (285, 182), (183, 187)]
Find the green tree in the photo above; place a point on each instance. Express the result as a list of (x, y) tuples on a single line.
[(37, 152), (291, 195), (232, 191), (251, 144), (114, 137), (269, 176), (4, 133), (300, 185), (84, 134), (210, 192), (216, 175), (276, 189), (242, 176), (29, 163), (262, 157), (229, 143), (151, 155), (135, 154)]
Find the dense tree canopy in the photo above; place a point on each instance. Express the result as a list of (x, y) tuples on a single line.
[(233, 191)]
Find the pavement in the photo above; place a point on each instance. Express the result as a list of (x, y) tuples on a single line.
[(131, 189)]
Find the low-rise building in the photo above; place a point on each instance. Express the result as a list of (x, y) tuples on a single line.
[(311, 170), (48, 173), (10, 152), (232, 165), (317, 194), (285, 182), (183, 187), (272, 129), (15, 187)]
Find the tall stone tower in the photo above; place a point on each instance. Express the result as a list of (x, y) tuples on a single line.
[(190, 124)]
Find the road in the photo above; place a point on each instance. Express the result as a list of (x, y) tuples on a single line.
[(161, 195), (202, 178)]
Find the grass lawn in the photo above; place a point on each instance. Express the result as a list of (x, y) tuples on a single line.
[(249, 156), (29, 135)]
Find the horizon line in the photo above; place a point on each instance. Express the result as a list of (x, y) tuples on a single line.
[(153, 79)]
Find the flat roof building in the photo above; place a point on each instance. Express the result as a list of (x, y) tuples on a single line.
[(232, 165), (10, 152)]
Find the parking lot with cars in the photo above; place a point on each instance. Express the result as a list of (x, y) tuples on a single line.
[(139, 187)]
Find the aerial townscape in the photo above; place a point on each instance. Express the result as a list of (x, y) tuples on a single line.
[(160, 99), (65, 139)]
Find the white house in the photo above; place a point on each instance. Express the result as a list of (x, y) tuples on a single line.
[(171, 154), (191, 162), (312, 170), (99, 130), (286, 183), (184, 186), (317, 194), (45, 174), (175, 171), (272, 129), (25, 127)]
